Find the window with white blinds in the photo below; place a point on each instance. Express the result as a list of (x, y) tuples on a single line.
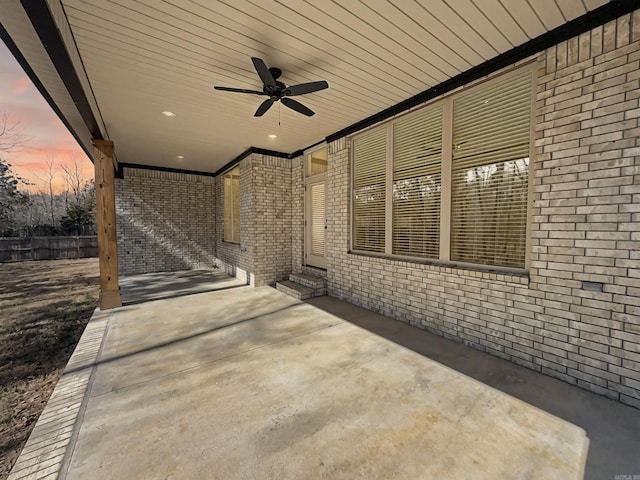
[(318, 203), (369, 177), (232, 206), (417, 163), (490, 173), (460, 178)]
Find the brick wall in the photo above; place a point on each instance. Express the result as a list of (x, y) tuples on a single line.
[(165, 221), (576, 315), (586, 204), (264, 253), (271, 219)]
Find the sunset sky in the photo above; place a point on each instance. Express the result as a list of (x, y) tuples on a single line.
[(44, 134)]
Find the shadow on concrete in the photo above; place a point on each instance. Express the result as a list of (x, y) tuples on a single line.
[(163, 285), (613, 428), (174, 341)]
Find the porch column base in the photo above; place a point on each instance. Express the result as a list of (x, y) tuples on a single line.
[(109, 300)]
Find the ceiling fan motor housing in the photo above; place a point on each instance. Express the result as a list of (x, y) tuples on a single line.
[(278, 91)]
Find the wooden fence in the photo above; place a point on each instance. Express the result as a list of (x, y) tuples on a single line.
[(47, 248)]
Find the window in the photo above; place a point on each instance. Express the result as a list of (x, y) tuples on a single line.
[(317, 162), (232, 206), (417, 158), (490, 173), (459, 173), (369, 158)]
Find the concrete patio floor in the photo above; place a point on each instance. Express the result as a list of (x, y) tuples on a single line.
[(162, 285), (249, 383)]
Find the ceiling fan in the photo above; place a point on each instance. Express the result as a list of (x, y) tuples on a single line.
[(276, 90)]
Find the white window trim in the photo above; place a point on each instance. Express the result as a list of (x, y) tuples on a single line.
[(445, 198)]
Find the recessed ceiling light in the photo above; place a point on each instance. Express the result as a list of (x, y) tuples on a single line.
[(180, 157), (272, 136), (167, 113)]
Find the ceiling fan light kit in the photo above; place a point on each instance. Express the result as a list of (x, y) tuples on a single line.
[(278, 91)]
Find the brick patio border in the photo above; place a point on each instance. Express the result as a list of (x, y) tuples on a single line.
[(45, 452)]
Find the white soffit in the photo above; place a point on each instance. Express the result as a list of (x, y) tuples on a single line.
[(147, 56)]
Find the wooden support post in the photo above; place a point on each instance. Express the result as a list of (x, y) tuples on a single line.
[(106, 224)]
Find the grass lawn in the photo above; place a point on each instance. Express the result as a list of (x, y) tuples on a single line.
[(44, 308)]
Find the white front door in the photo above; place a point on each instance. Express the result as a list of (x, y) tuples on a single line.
[(315, 231)]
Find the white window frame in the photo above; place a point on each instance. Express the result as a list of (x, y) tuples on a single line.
[(445, 196), (307, 154)]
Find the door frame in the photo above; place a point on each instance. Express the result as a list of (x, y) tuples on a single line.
[(310, 259)]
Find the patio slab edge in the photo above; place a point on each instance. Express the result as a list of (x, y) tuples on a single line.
[(44, 454)]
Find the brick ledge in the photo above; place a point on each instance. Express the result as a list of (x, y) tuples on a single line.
[(486, 273)]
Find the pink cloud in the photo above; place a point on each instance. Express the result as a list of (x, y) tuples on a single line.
[(44, 135), (32, 167), (21, 85)]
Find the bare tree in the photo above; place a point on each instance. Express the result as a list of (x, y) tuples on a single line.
[(25, 211), (74, 179), (48, 197), (10, 136), (10, 197), (33, 214)]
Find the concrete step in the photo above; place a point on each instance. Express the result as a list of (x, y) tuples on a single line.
[(310, 281), (294, 289)]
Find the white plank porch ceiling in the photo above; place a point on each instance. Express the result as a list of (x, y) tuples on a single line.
[(146, 56)]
